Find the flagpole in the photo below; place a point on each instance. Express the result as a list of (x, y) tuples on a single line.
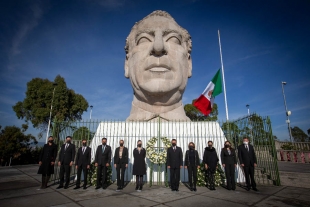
[(223, 76)]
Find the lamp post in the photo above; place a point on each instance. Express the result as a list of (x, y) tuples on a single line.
[(288, 113), (91, 108), (49, 120), (248, 107)]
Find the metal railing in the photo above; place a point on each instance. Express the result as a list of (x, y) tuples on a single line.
[(257, 128)]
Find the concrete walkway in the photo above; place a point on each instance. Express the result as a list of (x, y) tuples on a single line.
[(19, 184)]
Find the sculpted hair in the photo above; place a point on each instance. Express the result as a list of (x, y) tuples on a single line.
[(68, 137), (103, 139), (185, 35)]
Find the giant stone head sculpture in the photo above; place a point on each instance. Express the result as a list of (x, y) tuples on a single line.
[(158, 64)]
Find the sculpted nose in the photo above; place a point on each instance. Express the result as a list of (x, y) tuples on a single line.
[(158, 46)]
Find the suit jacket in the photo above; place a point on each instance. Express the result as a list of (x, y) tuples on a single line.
[(248, 158), (83, 159), (103, 158), (187, 161), (174, 158), (227, 158), (67, 155), (124, 159)]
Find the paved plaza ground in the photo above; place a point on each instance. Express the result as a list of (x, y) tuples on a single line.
[(19, 184)]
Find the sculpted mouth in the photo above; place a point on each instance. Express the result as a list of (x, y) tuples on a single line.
[(158, 68)]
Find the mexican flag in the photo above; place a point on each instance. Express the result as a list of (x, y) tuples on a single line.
[(205, 101)]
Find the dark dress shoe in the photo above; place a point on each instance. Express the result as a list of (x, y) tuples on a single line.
[(191, 189), (59, 187), (172, 189), (255, 189), (104, 187), (77, 187), (248, 189), (177, 190), (195, 189), (66, 187), (97, 187), (84, 188)]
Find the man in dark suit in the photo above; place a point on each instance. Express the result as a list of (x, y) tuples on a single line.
[(102, 162), (66, 159), (174, 163), (247, 159), (82, 162), (120, 163)]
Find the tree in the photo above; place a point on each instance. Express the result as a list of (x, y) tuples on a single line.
[(81, 133), (195, 115), (298, 134), (67, 105), (14, 143), (232, 132)]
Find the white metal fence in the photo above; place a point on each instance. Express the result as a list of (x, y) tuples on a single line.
[(184, 132)]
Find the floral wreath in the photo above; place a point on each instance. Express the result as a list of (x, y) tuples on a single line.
[(157, 157)]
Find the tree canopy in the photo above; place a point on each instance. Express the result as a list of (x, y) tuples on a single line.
[(299, 135), (195, 115), (14, 143), (83, 133), (67, 105)]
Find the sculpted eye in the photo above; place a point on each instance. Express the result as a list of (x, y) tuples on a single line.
[(174, 40), (143, 40)]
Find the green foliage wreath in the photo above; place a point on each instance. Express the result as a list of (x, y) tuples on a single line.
[(154, 156), (92, 179)]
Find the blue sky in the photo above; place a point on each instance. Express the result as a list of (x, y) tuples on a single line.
[(263, 43)]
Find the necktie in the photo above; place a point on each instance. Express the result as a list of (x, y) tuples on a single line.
[(247, 147), (173, 148), (66, 146), (103, 148), (83, 150)]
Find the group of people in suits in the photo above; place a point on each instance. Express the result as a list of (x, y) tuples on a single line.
[(246, 155), (65, 161)]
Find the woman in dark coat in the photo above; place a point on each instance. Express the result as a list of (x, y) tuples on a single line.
[(192, 163), (229, 162), (46, 161), (210, 159), (139, 168)]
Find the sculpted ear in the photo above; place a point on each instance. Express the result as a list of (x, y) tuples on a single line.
[(126, 67), (190, 65)]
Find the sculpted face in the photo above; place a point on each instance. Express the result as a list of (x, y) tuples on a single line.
[(158, 62)]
